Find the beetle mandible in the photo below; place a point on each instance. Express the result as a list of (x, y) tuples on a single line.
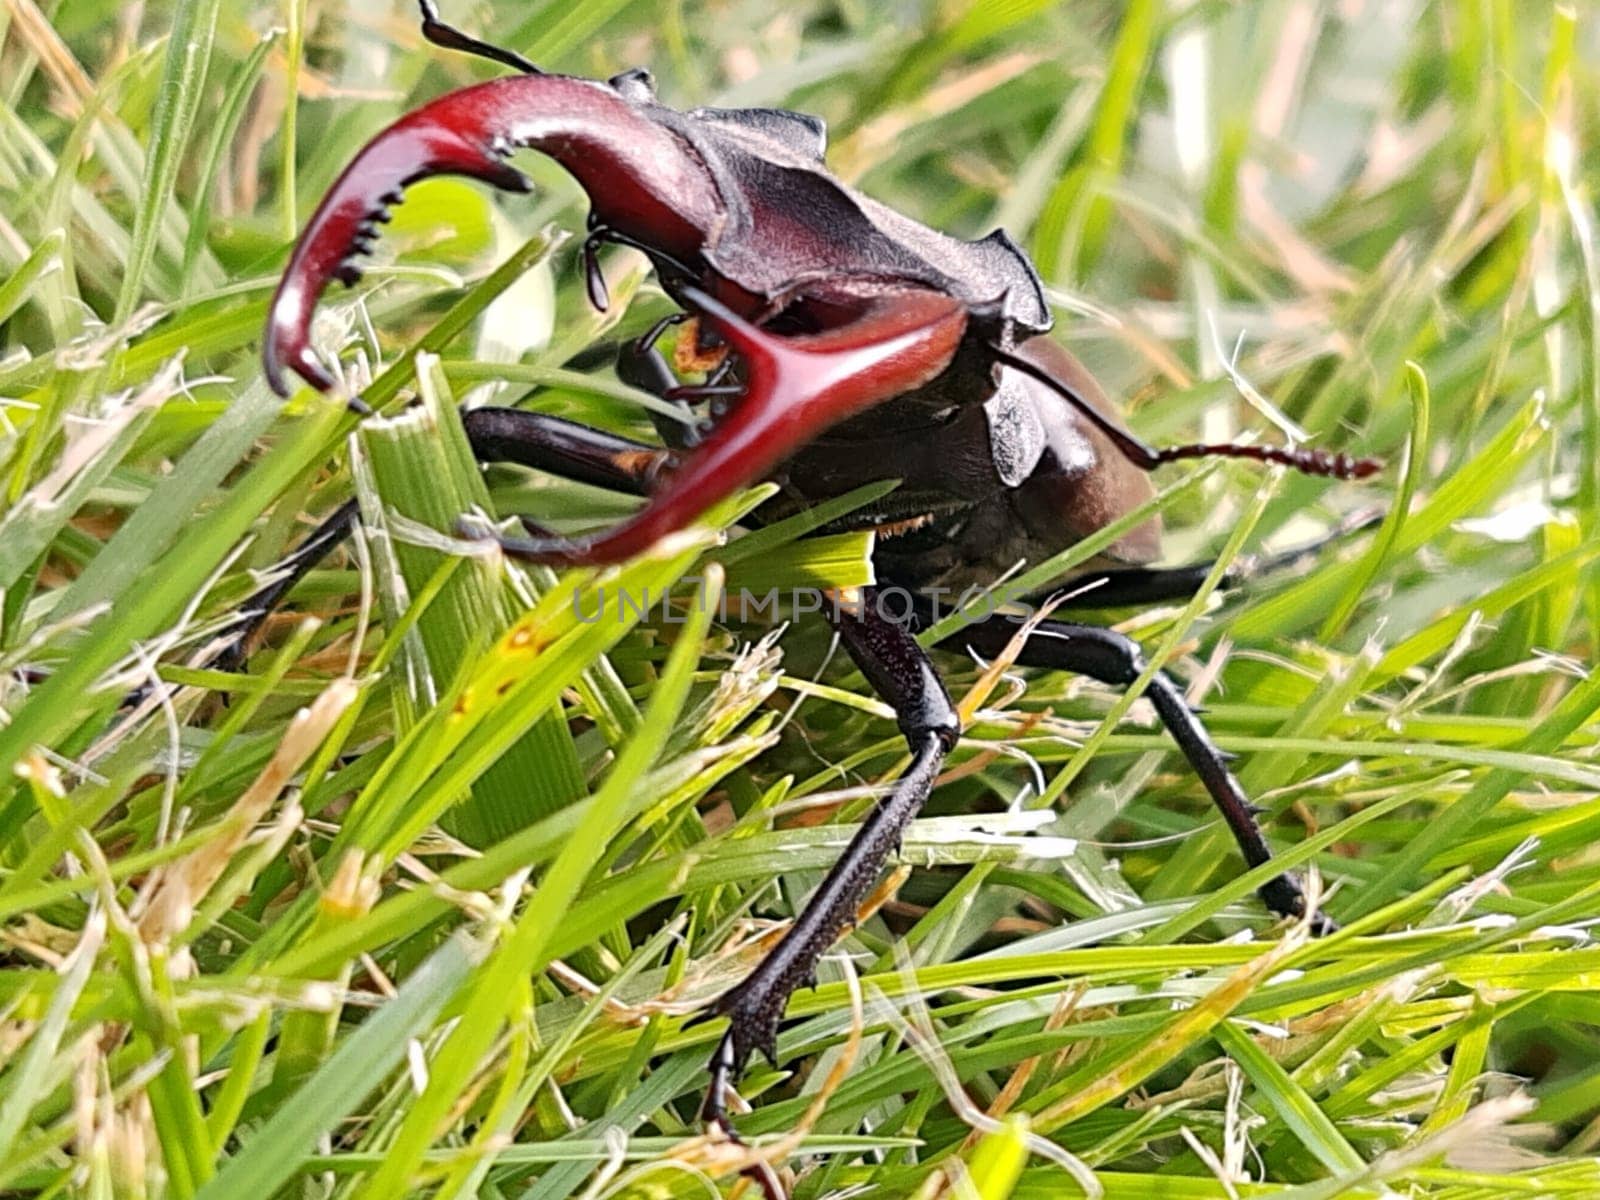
[(858, 344)]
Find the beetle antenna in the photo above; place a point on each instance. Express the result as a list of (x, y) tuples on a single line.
[(1141, 454), (451, 38)]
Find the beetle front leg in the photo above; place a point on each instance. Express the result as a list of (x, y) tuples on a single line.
[(1115, 659), (901, 672), (566, 448), (530, 439)]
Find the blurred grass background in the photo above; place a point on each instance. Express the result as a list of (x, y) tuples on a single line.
[(422, 908)]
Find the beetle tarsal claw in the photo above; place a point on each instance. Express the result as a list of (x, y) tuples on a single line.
[(724, 1067), (533, 529), (593, 277), (753, 1015), (541, 547)]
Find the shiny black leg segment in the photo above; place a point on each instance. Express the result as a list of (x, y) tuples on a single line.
[(536, 440), (594, 279), (566, 448), (648, 339), (1115, 659), (450, 38), (901, 672), (295, 567), (1137, 586), (641, 365)]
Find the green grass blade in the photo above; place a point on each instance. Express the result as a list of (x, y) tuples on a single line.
[(359, 1065)]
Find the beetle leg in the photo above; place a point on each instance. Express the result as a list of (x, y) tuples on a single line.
[(644, 367), (451, 38), (294, 567), (567, 448), (901, 672), (641, 365), (1162, 585), (535, 440), (1115, 659), (538, 440), (647, 340), (705, 391), (796, 387)]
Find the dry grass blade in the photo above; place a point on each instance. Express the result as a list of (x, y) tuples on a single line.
[(181, 886)]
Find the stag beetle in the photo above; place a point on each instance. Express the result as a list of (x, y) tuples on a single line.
[(856, 345)]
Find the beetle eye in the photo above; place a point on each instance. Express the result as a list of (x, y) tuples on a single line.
[(637, 84)]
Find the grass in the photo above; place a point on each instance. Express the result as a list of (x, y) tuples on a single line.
[(420, 903)]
